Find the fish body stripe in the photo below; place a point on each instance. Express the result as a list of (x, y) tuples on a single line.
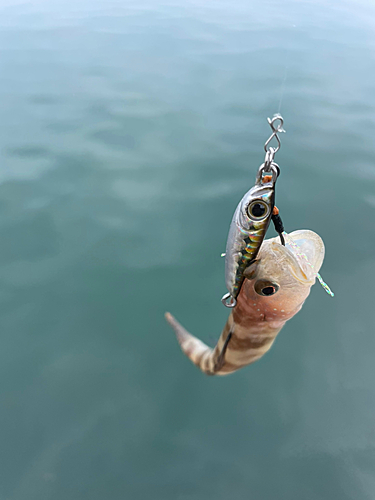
[(256, 320), (241, 351)]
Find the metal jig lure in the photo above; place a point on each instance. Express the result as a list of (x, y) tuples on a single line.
[(252, 218)]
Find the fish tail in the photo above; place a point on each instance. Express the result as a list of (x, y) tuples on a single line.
[(205, 358)]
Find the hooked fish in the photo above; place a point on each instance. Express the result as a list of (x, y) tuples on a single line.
[(248, 229), (274, 290)]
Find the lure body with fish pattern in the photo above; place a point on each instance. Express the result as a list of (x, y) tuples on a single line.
[(248, 229), (274, 290)]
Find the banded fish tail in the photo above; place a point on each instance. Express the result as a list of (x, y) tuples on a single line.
[(209, 361)]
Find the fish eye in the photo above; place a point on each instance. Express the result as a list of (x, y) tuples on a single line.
[(266, 288), (258, 210)]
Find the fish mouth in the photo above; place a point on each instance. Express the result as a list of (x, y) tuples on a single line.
[(303, 253)]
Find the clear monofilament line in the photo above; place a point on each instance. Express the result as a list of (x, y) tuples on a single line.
[(301, 254)]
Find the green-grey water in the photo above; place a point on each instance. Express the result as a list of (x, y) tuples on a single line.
[(129, 132)]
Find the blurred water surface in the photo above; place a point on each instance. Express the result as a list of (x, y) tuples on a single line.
[(129, 131)]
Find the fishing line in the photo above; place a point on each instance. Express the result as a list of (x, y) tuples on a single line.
[(283, 82)]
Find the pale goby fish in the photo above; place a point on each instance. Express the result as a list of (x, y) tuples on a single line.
[(275, 287), (248, 229)]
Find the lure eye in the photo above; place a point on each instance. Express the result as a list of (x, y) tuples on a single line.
[(266, 288), (258, 210)]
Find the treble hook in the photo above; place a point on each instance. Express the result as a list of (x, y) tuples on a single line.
[(276, 130)]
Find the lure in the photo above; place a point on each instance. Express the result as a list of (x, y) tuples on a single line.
[(251, 220), (274, 289)]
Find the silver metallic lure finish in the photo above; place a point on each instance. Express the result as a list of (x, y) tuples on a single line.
[(247, 230)]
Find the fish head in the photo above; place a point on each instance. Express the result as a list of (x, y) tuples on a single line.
[(255, 209), (279, 281)]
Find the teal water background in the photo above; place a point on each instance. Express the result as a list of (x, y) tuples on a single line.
[(129, 132)]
